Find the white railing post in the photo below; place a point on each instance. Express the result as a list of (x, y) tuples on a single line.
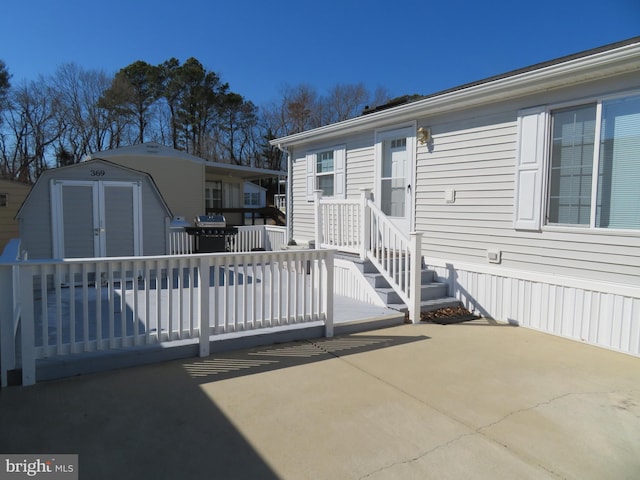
[(328, 288), (365, 224), (317, 196), (415, 292), (7, 338), (265, 238), (27, 322), (203, 317)]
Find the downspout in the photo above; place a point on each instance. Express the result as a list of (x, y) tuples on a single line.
[(285, 150)]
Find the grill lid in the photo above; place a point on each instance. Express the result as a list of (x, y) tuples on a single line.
[(217, 221)]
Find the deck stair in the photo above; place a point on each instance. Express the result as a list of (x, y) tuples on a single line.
[(434, 294)]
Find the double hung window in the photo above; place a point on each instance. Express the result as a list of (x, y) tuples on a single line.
[(325, 175), (213, 195), (251, 199), (593, 165), (326, 172)]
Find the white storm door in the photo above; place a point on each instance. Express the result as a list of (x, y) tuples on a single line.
[(396, 159)]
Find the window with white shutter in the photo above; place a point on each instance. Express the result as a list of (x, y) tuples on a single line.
[(592, 157), (529, 169), (326, 172)]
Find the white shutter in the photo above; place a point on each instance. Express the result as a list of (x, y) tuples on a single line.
[(529, 168), (339, 171), (311, 179)]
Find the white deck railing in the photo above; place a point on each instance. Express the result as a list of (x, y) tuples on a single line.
[(249, 238), (90, 305), (180, 242), (10, 310), (359, 226), (260, 237), (397, 257), (339, 224), (280, 202)]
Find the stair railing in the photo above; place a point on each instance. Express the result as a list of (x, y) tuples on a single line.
[(359, 226)]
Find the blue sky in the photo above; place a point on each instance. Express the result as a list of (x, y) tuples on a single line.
[(259, 46)]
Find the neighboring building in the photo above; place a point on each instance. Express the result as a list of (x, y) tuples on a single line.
[(524, 185), (93, 209), (12, 194), (255, 196), (190, 185)]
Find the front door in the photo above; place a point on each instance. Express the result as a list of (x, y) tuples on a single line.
[(396, 159), (96, 218)]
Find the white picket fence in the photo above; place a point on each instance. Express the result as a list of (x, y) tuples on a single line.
[(280, 202), (260, 237), (249, 238), (98, 305)]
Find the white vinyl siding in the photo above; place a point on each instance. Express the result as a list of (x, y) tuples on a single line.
[(475, 153), (583, 311), (580, 282), (478, 159)]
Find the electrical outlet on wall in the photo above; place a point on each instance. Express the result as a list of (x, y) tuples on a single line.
[(494, 256), (449, 195)]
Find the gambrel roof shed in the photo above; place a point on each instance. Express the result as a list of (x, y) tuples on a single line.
[(94, 209)]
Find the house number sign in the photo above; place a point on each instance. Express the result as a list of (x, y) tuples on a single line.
[(97, 173)]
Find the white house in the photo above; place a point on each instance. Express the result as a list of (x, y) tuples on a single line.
[(255, 196), (523, 186)]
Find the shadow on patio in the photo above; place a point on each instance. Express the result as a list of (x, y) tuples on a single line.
[(157, 421), (273, 357)]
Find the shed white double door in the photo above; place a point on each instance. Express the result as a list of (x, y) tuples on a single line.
[(96, 218)]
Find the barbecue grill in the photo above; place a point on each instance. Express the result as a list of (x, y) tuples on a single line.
[(211, 234), (211, 221)]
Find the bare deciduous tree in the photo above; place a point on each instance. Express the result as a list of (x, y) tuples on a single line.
[(36, 122), (88, 125)]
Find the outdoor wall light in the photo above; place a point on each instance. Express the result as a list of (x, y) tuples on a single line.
[(424, 135)]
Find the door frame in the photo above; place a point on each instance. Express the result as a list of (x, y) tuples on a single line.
[(407, 130), (99, 213)]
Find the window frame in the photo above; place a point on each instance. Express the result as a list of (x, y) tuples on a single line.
[(338, 173), (209, 189), (544, 143)]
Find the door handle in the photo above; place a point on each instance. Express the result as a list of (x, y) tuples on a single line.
[(409, 188)]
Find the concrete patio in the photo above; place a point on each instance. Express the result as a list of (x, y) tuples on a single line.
[(477, 400)]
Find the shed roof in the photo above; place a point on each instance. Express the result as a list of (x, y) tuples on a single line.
[(154, 149), (47, 174)]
